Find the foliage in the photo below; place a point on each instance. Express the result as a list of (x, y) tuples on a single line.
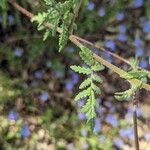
[(134, 73), (8, 89), (61, 15), (3, 4), (57, 116), (88, 86)]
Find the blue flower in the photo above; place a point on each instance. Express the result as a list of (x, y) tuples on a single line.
[(108, 104), (18, 52), (122, 37), (11, 19), (143, 64), (138, 111), (25, 131), (69, 85), (118, 142), (120, 16), (13, 115), (139, 52), (146, 26), (137, 42), (110, 44), (99, 110), (75, 78), (122, 28), (102, 12), (138, 3), (112, 120), (97, 125), (90, 6), (44, 96), (38, 74), (49, 64), (96, 50), (81, 116), (99, 100), (127, 133), (58, 73), (71, 49), (108, 57), (80, 103)]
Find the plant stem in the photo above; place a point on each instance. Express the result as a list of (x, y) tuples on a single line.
[(76, 39), (136, 139)]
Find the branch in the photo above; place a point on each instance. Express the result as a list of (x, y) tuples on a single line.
[(30, 15), (21, 9), (115, 69), (135, 125), (75, 39)]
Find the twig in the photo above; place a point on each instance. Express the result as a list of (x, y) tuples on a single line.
[(30, 15), (75, 39), (21, 9), (112, 67), (136, 139)]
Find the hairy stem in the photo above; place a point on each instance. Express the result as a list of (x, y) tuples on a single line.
[(136, 139)]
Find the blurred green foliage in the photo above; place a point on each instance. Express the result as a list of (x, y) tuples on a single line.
[(57, 118)]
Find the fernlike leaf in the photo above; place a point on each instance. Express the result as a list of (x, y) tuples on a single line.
[(96, 88), (83, 94), (81, 70), (97, 78), (89, 107), (64, 35), (86, 55), (46, 34), (97, 67), (85, 83), (40, 18), (50, 2), (124, 95)]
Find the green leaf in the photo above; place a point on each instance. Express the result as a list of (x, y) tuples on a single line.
[(85, 83), (50, 2), (137, 74), (86, 55), (64, 35), (96, 88), (92, 89), (40, 18), (83, 94), (63, 38), (3, 4), (81, 70), (89, 107), (126, 76), (134, 63), (46, 34), (97, 67), (97, 78), (124, 95)]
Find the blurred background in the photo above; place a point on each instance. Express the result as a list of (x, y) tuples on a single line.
[(37, 86)]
